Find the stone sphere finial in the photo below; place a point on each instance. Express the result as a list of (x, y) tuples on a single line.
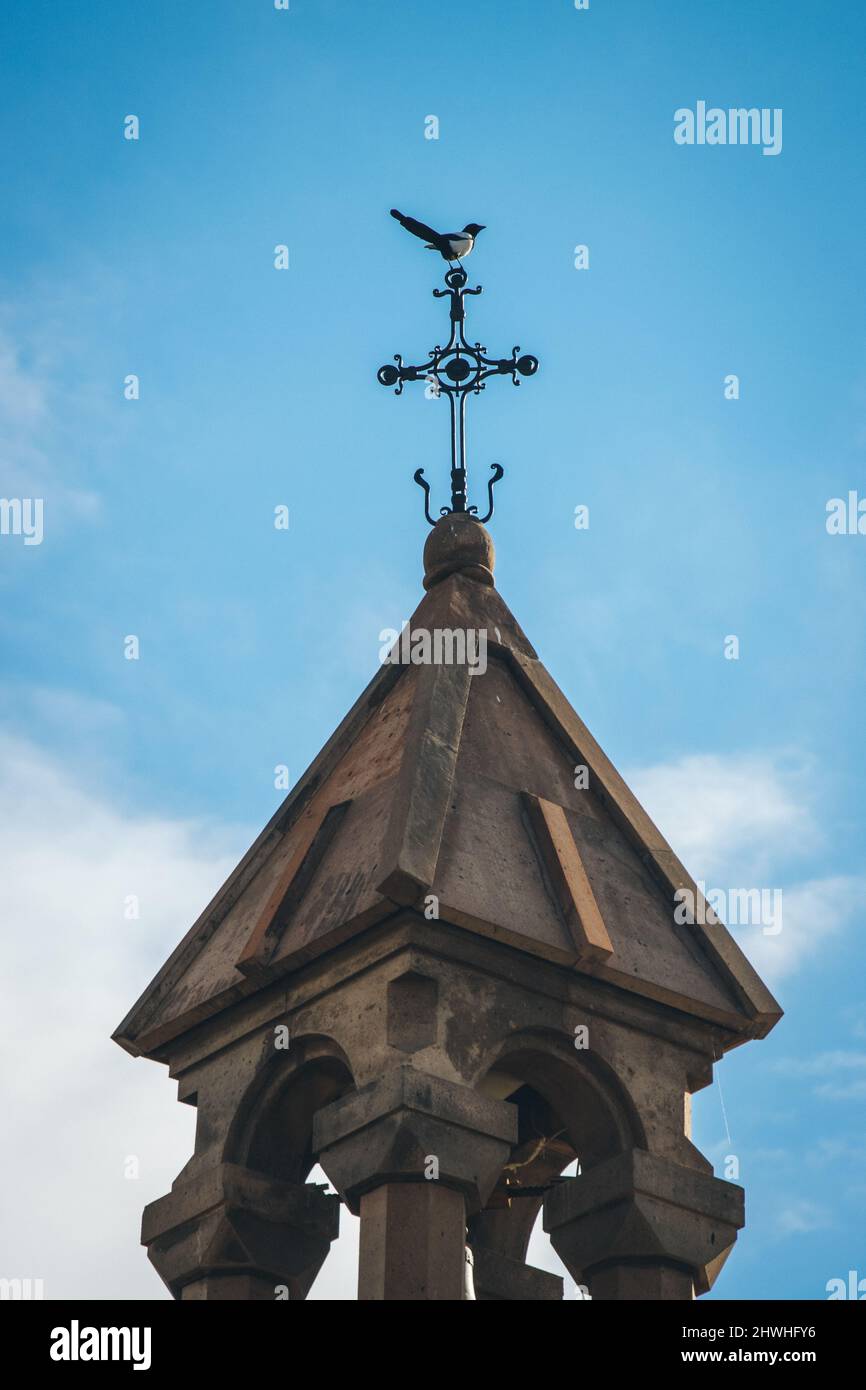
[(458, 544)]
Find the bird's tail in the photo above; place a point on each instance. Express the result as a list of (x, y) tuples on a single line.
[(417, 228)]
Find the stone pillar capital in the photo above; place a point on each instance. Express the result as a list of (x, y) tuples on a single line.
[(231, 1226), (638, 1210), (392, 1130)]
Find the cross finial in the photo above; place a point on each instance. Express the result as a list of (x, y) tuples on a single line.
[(454, 371)]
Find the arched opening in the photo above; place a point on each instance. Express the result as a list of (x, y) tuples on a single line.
[(273, 1130), (572, 1114), (273, 1134)]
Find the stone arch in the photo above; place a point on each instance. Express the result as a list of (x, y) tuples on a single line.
[(571, 1105), (273, 1128), (583, 1088)]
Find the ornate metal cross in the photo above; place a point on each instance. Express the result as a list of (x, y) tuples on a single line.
[(454, 371)]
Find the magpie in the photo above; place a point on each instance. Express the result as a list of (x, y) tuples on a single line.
[(452, 246)]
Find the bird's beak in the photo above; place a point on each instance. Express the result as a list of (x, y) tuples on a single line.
[(482, 229)]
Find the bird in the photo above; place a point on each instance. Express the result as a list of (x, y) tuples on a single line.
[(452, 246)]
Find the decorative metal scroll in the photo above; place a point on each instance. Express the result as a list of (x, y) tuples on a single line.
[(454, 371)]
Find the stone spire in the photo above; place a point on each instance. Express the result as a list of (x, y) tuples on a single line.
[(448, 966)]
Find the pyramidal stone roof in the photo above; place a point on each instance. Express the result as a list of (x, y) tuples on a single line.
[(453, 785)]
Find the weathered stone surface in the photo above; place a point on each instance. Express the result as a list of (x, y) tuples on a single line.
[(413, 1014), (458, 545), (639, 1209), (229, 1225), (422, 791), (413, 1239), (235, 1288), (498, 1278), (391, 1130), (430, 774)]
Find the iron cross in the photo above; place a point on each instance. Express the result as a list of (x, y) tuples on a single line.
[(454, 371)]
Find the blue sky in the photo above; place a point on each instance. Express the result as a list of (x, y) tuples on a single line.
[(707, 515)]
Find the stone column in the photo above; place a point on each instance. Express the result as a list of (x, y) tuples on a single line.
[(412, 1242), (641, 1227), (413, 1155), (231, 1233)]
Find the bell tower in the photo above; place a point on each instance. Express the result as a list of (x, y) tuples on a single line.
[(449, 966), (453, 963)]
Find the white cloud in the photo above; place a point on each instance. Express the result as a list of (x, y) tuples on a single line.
[(813, 914), (22, 396), (825, 1064), (846, 1090), (744, 822), (802, 1217), (846, 1072), (33, 421), (818, 1153), (74, 1105), (723, 813)]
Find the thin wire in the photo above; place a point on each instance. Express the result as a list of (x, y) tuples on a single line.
[(724, 1112)]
